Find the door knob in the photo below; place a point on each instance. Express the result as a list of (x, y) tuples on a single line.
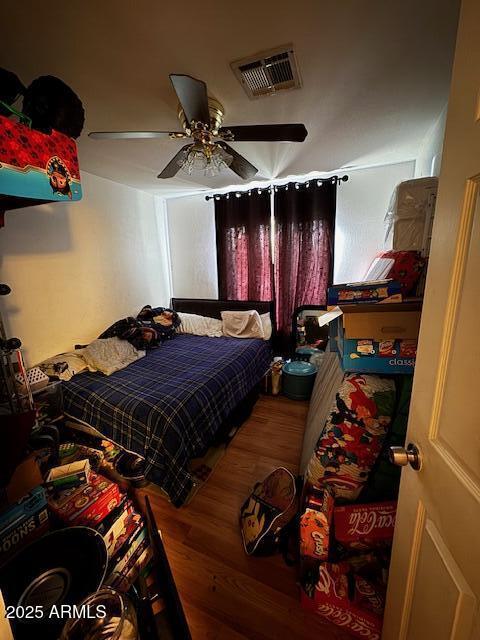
[(401, 456)]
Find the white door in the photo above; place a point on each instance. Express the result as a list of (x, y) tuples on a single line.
[(434, 586)]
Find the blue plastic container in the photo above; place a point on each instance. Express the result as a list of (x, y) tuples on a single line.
[(298, 379)]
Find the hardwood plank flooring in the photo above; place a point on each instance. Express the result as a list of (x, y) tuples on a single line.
[(226, 594)]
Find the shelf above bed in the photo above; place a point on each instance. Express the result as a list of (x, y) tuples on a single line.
[(35, 167)]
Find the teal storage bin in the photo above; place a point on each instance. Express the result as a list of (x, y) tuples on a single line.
[(298, 379)]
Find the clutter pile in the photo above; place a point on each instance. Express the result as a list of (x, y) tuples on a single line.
[(350, 493), (75, 493), (345, 535), (80, 496)]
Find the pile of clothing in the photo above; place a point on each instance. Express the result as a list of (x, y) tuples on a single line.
[(151, 327), (123, 343)]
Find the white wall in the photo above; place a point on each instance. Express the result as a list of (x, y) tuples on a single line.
[(75, 268), (430, 153), (191, 225), (361, 206)]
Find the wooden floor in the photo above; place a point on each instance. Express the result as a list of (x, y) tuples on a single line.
[(227, 595)]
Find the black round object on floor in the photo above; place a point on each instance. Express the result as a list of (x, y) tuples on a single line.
[(131, 467), (62, 568)]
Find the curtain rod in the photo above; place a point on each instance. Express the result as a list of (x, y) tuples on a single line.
[(276, 187)]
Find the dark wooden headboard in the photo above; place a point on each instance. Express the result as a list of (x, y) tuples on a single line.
[(213, 308)]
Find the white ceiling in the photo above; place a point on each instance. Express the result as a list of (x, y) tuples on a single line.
[(375, 76)]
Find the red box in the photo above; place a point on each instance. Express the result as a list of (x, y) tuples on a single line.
[(363, 526), (89, 504), (329, 599)]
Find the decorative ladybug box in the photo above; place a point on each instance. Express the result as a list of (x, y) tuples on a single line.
[(36, 166)]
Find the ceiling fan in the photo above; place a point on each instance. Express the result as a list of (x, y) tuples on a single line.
[(201, 118)]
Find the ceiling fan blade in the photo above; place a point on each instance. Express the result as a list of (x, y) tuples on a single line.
[(175, 164), (240, 165), (192, 95), (265, 133), (130, 135)]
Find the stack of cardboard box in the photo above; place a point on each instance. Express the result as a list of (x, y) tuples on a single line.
[(375, 335), (344, 558)]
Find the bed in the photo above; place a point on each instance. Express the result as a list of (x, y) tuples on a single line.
[(168, 406)]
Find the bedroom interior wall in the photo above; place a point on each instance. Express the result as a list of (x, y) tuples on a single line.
[(75, 268), (191, 232), (361, 206), (430, 154)]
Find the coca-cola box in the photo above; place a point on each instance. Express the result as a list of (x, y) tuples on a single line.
[(360, 612), (364, 526)]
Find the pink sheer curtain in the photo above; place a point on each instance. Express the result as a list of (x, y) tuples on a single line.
[(304, 230), (243, 246)]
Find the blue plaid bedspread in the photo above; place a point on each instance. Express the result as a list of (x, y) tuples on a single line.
[(168, 405)]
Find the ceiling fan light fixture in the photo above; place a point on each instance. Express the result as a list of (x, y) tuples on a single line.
[(195, 160), (209, 159), (201, 117)]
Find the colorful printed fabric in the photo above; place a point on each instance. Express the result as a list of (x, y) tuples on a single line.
[(353, 434)]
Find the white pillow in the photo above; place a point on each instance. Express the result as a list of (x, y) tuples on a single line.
[(200, 325), (110, 354), (65, 365), (267, 325), (242, 324)]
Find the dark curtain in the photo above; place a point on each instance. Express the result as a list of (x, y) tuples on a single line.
[(304, 232), (244, 246)]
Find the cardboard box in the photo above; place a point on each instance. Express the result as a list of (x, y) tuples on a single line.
[(122, 530), (137, 541), (381, 322), (69, 475), (330, 599), (364, 526), (377, 338), (122, 582), (354, 359), (22, 523), (378, 291), (87, 505), (113, 526)]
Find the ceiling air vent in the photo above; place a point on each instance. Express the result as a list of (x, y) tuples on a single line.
[(268, 72)]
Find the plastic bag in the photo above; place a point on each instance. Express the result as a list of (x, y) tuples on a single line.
[(409, 217)]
